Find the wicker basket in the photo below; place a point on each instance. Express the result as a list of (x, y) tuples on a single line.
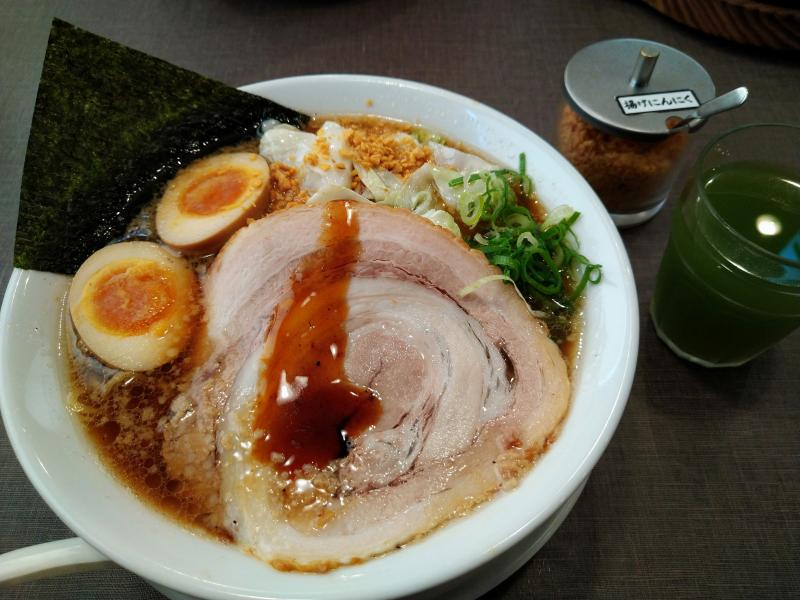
[(769, 25)]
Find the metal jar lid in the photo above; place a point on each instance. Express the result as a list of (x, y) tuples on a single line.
[(629, 87)]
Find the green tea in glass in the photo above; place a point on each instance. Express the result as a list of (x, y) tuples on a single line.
[(729, 283)]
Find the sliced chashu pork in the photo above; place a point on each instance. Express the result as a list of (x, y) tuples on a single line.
[(472, 390)]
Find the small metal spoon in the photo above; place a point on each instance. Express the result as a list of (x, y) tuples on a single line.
[(719, 104)]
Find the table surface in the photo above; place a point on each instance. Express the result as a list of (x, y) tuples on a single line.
[(698, 494)]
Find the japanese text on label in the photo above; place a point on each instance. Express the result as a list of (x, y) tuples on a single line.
[(658, 102)]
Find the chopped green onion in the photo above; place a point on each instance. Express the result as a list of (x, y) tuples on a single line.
[(525, 236), (541, 260), (424, 136), (468, 289), (585, 278), (470, 209)]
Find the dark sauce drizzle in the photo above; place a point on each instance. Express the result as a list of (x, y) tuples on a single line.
[(309, 409)]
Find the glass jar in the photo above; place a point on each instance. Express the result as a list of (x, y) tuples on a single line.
[(620, 98), (632, 177)]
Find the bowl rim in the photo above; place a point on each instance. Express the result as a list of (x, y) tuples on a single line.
[(165, 576)]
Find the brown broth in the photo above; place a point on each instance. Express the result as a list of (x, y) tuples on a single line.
[(121, 419)]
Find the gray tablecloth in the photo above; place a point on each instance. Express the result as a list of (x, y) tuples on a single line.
[(698, 494)]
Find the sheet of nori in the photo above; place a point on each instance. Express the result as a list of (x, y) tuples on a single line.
[(111, 125)]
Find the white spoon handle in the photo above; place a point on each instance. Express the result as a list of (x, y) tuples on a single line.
[(45, 560)]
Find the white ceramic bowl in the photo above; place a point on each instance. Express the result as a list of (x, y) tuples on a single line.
[(465, 557)]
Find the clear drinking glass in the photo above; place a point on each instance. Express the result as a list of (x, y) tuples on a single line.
[(729, 283)]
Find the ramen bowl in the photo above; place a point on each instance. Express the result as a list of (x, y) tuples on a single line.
[(462, 559)]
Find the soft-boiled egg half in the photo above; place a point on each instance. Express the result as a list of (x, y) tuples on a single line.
[(212, 198), (133, 305)]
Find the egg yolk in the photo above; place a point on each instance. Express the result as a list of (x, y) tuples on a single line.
[(128, 298), (215, 192)]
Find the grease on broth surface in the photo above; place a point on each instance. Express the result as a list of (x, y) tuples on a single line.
[(121, 416)]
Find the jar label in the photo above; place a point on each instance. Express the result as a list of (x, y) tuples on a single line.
[(658, 102)]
